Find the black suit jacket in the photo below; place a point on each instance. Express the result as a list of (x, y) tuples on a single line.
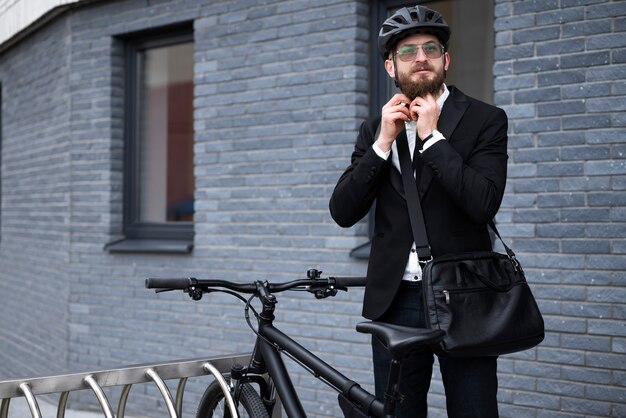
[(460, 187)]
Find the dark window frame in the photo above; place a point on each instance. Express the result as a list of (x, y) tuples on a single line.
[(141, 236)]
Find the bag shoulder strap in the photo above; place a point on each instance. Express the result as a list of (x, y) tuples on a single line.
[(416, 215)]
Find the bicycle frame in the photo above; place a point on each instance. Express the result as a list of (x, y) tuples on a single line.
[(266, 358)]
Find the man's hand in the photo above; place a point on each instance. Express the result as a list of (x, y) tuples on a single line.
[(425, 111), (394, 114)]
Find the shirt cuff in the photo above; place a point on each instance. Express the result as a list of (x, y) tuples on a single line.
[(436, 137), (382, 154)]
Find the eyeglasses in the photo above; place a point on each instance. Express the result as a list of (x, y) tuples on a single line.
[(409, 52)]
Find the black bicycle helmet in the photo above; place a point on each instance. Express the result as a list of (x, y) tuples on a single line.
[(410, 20)]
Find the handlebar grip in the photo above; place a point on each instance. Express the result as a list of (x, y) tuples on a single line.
[(350, 281), (169, 283)]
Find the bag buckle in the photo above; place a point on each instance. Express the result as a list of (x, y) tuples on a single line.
[(424, 262)]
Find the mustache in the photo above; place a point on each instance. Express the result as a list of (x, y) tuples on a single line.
[(422, 67)]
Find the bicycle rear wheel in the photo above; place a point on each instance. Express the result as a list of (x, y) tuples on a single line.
[(213, 403)]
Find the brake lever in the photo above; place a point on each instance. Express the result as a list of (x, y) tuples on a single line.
[(324, 293)]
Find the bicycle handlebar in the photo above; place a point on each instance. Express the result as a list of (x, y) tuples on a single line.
[(169, 283), (341, 283)]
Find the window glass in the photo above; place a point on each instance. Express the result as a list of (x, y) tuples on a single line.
[(165, 183)]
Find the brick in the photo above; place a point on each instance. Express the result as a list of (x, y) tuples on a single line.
[(519, 111), (536, 185), (559, 169), (534, 65), (606, 10), (586, 90), (536, 400), (585, 60), (560, 138), (607, 262), (604, 136), (503, 39), (585, 374), (561, 46), (604, 230), (585, 153), (542, 370), (609, 72), (561, 231), (586, 28), (618, 56), (585, 247), (505, 53), (536, 34), (608, 394), (586, 122), (534, 6), (584, 215), (610, 167), (537, 125), (536, 155), (559, 387), (538, 95), (503, 9), (520, 141), (561, 108), (515, 22), (561, 16), (535, 245), (609, 104), (564, 77), (514, 82)]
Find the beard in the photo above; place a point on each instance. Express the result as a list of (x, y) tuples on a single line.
[(423, 86)]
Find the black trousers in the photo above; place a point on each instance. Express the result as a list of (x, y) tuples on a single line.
[(471, 384)]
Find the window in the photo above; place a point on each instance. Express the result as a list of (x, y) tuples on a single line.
[(471, 57), (158, 168)]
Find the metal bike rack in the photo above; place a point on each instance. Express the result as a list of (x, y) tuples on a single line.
[(126, 377)]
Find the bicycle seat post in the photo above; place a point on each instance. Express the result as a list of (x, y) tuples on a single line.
[(392, 392)]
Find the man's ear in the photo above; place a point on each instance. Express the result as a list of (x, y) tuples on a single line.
[(389, 67), (446, 61)]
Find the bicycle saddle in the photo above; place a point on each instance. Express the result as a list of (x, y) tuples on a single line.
[(399, 340)]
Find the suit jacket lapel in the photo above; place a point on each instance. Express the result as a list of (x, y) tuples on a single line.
[(451, 114)]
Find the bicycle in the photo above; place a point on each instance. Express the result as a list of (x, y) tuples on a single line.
[(266, 369)]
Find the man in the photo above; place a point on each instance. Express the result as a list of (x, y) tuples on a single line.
[(460, 159)]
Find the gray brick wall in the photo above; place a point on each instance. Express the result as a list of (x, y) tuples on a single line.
[(561, 83), (274, 129), (34, 241)]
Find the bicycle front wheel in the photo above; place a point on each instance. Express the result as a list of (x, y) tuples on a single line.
[(213, 403)]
